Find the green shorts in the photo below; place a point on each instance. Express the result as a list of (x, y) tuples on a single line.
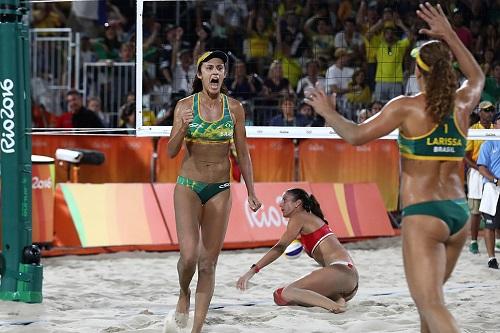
[(455, 213), (205, 191)]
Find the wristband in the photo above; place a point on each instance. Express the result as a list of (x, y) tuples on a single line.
[(255, 268)]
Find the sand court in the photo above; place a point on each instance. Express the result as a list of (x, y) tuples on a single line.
[(134, 292)]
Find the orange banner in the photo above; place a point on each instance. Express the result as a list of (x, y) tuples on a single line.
[(127, 159), (143, 214), (167, 168), (42, 185), (272, 159), (335, 161)]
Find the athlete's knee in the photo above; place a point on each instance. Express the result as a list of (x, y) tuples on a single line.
[(187, 262), (207, 265)]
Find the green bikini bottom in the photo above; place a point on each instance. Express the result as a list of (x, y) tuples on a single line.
[(455, 213), (205, 191)]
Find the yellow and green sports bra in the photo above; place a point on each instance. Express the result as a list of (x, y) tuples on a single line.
[(445, 142), (203, 131)]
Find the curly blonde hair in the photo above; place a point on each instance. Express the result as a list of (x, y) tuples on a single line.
[(440, 80)]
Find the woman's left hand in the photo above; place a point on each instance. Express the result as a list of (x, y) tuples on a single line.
[(320, 101), (242, 283), (254, 203)]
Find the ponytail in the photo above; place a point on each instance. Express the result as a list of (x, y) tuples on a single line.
[(309, 202), (440, 80)]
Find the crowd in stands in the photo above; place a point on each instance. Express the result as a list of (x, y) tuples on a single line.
[(278, 49)]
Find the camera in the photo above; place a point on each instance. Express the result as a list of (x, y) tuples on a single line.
[(67, 155)]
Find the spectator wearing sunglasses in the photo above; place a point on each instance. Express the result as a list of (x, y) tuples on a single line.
[(474, 178)]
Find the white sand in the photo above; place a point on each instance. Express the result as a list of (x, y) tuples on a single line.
[(133, 292)]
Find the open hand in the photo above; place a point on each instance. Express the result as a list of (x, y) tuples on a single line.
[(242, 283), (320, 101), (439, 25)]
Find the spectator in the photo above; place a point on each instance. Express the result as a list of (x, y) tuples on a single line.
[(287, 116), (292, 33), (205, 40), (257, 46), (276, 85), (462, 31), (365, 114), (184, 73), (109, 46), (474, 178), (168, 51), (339, 75), (359, 94), (489, 166), (128, 119), (311, 79), (349, 38), (87, 16), (230, 17), (76, 115), (491, 90), (47, 15), (241, 86), (291, 67), (322, 40), (487, 63), (310, 118), (390, 54), (372, 35), (490, 40), (94, 105)]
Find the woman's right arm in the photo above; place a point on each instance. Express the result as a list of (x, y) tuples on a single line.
[(469, 93), (292, 231), (183, 116)]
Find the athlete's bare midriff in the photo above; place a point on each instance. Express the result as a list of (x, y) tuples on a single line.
[(430, 180), (208, 163)]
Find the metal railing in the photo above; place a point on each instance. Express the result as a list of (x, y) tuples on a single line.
[(111, 82), (51, 66)]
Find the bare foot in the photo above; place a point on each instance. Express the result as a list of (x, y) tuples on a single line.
[(338, 306), (182, 309)]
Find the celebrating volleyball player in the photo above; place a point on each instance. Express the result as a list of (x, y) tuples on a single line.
[(331, 285), (205, 122), (432, 139)]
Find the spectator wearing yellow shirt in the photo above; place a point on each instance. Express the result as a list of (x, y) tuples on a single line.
[(390, 53), (292, 70), (358, 96), (366, 20), (474, 178), (257, 47)]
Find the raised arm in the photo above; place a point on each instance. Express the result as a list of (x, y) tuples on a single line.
[(183, 116), (469, 93), (390, 118)]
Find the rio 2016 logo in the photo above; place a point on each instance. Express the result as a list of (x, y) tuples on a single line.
[(8, 141), (265, 218)]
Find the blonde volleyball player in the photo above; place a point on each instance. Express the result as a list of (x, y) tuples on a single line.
[(205, 122), (432, 138), (330, 286)]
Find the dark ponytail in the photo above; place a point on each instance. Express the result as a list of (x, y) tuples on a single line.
[(309, 202)]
